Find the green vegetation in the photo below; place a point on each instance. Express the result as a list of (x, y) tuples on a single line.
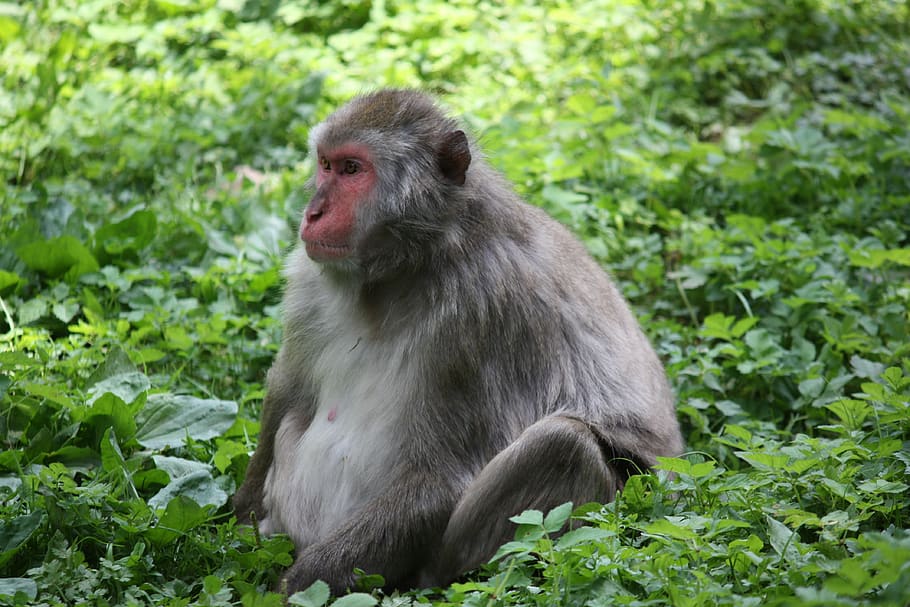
[(743, 167)]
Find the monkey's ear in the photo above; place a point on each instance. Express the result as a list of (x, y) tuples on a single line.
[(454, 157)]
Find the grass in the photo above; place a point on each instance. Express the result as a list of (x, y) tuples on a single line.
[(743, 169)]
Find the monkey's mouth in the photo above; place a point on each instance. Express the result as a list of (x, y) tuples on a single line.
[(318, 250)]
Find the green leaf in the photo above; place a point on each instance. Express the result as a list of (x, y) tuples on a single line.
[(670, 529), (316, 595), (516, 547), (51, 393), (198, 486), (31, 311), (110, 410), (175, 467), (129, 235), (58, 256), (582, 535), (882, 486), (167, 420), (764, 461), (676, 465), (8, 279), (111, 456), (812, 388), (20, 359), (875, 258), (9, 29), (851, 413), (356, 599), (119, 32), (14, 532), (11, 585), (528, 517), (783, 539), (227, 451), (557, 517), (128, 387), (177, 338), (181, 515)]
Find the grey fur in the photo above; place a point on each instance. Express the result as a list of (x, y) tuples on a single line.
[(508, 370)]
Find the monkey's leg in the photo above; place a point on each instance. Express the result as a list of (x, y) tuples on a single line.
[(556, 460)]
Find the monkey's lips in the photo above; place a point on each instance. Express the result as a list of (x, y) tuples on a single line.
[(319, 250)]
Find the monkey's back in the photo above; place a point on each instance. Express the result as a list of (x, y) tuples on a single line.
[(530, 325)]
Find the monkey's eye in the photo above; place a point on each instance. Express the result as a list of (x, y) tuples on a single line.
[(325, 164), (351, 166)]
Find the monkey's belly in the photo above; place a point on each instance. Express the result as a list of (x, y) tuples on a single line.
[(322, 476)]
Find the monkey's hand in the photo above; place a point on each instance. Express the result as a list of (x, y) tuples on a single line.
[(246, 502), (319, 562)]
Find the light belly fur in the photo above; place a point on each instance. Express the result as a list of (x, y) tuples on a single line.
[(324, 474)]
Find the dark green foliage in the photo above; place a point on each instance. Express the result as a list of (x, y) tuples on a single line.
[(742, 167)]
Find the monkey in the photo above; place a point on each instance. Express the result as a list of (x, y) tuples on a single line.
[(451, 356)]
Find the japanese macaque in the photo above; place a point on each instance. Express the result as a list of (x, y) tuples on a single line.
[(452, 356)]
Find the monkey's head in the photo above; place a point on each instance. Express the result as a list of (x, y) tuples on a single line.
[(391, 170)]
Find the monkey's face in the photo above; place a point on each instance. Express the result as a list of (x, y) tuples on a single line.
[(345, 179)]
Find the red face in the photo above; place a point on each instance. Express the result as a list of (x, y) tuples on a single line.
[(344, 178)]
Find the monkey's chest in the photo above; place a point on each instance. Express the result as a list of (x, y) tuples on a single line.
[(323, 474)]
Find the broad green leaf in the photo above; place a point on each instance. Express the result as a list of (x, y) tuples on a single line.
[(764, 461), (665, 527), (865, 368), (115, 363), (557, 517), (177, 338), (181, 515), (717, 325), (50, 392), (515, 547), (528, 517), (198, 486), (874, 258), (813, 387), (8, 360), (11, 585), (851, 412), (128, 387), (356, 599), (676, 465), (10, 482), (743, 325), (58, 256), (582, 535), (65, 311), (110, 410), (126, 236), (167, 420), (15, 531), (119, 32), (783, 539), (31, 310), (176, 467), (8, 279), (882, 486), (316, 595), (227, 451), (111, 455)]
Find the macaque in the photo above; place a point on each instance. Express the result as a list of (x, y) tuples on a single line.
[(451, 357)]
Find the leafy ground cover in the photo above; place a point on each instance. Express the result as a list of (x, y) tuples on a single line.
[(742, 167)]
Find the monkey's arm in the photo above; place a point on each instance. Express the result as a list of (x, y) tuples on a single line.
[(396, 534), (249, 497)]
